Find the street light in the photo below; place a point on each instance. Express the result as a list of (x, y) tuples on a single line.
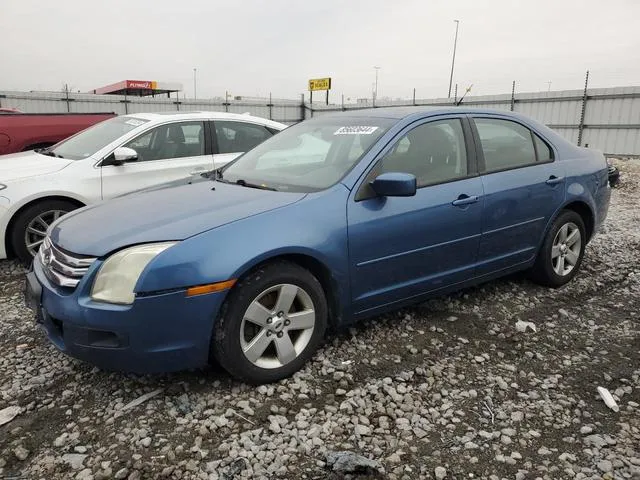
[(453, 61), (194, 85), (375, 88)]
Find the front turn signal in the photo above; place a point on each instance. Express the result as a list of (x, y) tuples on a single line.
[(210, 288)]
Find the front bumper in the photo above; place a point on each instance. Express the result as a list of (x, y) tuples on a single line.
[(158, 333), (4, 221)]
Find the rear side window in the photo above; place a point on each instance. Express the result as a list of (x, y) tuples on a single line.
[(505, 144), (236, 137)]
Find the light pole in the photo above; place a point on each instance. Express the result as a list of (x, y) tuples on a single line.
[(453, 61), (195, 92), (375, 88)]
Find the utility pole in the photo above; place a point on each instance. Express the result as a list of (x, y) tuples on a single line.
[(453, 61), (195, 91), (549, 89), (375, 89)]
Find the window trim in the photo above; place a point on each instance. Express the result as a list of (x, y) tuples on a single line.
[(482, 166), (233, 120), (210, 135), (99, 164), (469, 143)]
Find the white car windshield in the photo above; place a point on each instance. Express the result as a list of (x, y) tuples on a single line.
[(307, 157), (89, 141)]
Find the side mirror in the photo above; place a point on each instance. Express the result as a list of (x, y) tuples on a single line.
[(121, 155), (394, 184)]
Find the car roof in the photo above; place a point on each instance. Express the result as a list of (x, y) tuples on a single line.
[(398, 113), (162, 116)]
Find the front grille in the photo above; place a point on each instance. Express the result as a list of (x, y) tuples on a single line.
[(62, 268)]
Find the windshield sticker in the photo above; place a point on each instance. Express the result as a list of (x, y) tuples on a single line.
[(134, 122), (355, 130)]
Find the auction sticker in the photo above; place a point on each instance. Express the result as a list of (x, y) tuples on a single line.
[(134, 122), (355, 130)]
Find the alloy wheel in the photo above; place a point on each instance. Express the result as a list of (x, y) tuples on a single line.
[(565, 251), (277, 326), (36, 230)]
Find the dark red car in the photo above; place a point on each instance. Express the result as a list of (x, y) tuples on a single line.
[(27, 131)]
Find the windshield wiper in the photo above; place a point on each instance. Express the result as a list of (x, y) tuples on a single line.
[(241, 182), (47, 152), (244, 183)]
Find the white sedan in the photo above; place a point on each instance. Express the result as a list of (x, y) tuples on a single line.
[(112, 158)]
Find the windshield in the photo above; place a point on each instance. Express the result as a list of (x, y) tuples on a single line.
[(307, 157), (89, 141)]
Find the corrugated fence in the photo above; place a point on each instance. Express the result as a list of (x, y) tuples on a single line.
[(607, 118)]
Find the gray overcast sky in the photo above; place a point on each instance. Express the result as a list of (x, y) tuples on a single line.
[(253, 47)]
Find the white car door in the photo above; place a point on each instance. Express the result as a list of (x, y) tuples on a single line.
[(167, 152), (234, 137)]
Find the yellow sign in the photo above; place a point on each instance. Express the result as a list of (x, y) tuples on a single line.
[(319, 84)]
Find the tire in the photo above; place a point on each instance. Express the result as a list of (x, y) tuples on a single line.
[(47, 211), (234, 333), (558, 261)]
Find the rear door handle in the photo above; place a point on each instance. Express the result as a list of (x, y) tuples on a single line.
[(465, 200), (553, 180)]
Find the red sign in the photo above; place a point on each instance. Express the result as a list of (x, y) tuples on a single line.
[(139, 84)]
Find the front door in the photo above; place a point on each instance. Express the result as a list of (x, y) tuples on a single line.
[(167, 152), (402, 247)]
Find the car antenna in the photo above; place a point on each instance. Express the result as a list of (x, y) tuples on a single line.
[(465, 94)]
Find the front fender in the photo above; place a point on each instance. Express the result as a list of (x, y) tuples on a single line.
[(315, 226)]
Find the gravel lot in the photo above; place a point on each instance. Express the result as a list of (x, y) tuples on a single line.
[(448, 389)]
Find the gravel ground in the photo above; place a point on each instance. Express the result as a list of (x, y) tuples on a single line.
[(448, 389)]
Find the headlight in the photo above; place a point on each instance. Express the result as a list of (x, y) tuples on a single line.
[(118, 276), (2, 186)]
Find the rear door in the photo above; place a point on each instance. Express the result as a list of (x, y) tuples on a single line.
[(232, 138), (523, 187), (167, 152)]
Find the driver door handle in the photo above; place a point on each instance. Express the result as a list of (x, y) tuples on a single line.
[(465, 199), (553, 180)]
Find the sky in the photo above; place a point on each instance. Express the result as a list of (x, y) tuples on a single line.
[(258, 47)]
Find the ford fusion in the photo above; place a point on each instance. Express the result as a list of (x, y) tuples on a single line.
[(333, 220)]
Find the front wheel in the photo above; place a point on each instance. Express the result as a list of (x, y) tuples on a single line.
[(31, 224), (271, 324), (561, 254)]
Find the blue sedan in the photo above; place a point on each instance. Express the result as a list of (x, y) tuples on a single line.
[(335, 219)]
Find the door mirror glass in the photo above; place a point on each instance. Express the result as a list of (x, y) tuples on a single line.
[(395, 184), (124, 154)]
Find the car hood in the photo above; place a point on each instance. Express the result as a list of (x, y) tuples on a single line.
[(161, 215), (29, 164)]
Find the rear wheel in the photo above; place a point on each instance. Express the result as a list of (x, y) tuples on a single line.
[(271, 324), (561, 254), (31, 224)]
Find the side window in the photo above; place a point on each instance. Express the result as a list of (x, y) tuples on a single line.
[(236, 137), (505, 144), (174, 140), (434, 152), (545, 154)]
